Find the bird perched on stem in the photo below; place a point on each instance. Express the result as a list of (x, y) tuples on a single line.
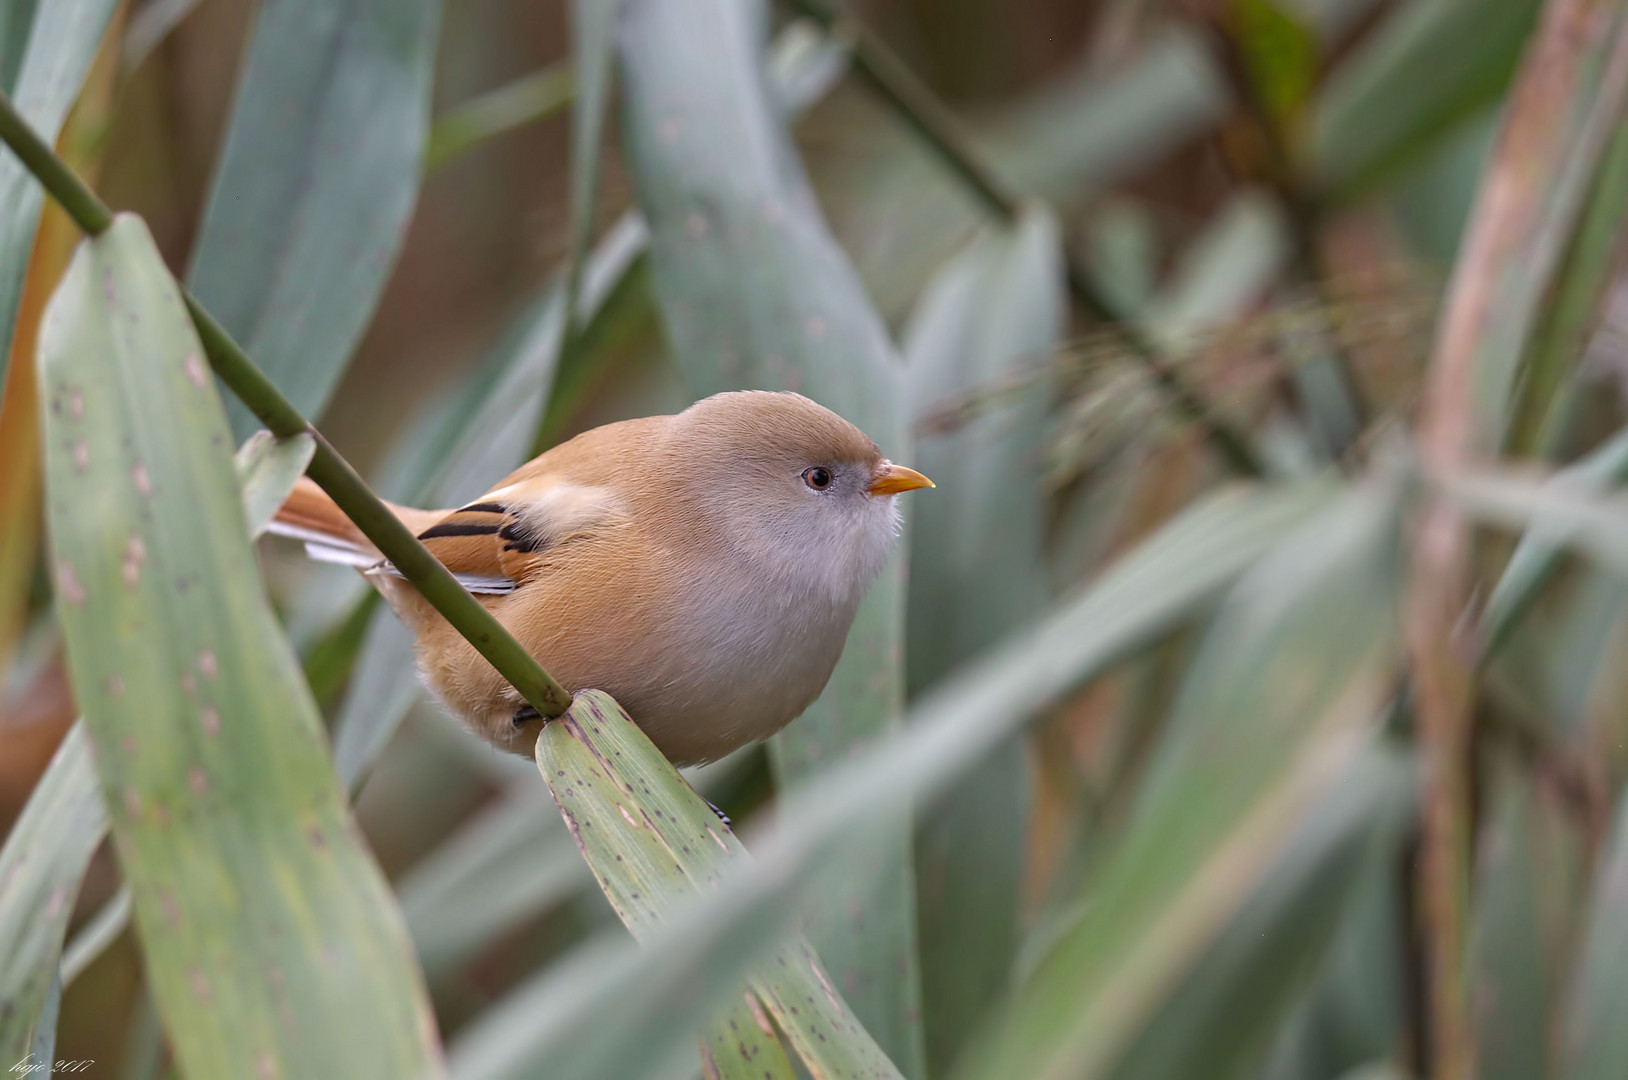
[(702, 568)]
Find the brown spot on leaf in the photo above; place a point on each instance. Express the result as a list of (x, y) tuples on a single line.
[(206, 664), (195, 370), (210, 717), (76, 405), (81, 455), (197, 780), (142, 479), (171, 908), (758, 1015), (135, 553), (830, 994)]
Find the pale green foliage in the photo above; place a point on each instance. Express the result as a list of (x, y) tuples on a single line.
[(1119, 777)]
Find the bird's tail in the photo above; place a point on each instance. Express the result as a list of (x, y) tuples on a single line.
[(308, 514)]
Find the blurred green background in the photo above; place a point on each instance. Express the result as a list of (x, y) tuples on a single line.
[(1202, 845)]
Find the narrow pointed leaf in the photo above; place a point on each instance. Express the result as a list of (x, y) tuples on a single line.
[(44, 857), (1563, 112), (1537, 555), (508, 863), (1574, 313), (99, 931), (1269, 951), (15, 20), (1528, 871), (149, 26), (1593, 1042), (593, 35), (22, 531), (55, 43), (315, 185), (1227, 268), (1354, 1012), (43, 1049), (470, 124), (977, 573), (1567, 512), (593, 45), (1429, 67), (1287, 679), (655, 844), (268, 468), (381, 691), (272, 945)]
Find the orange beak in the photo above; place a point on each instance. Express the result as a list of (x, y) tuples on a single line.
[(891, 479)]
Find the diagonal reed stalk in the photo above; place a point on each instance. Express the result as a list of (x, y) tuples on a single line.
[(1571, 94), (328, 469), (892, 80)]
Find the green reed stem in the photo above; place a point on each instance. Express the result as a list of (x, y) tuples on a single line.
[(328, 469)]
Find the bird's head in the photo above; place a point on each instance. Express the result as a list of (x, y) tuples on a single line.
[(791, 483)]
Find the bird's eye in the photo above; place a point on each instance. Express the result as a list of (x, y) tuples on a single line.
[(818, 478)]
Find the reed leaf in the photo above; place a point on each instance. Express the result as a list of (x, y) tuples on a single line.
[(51, 47), (1593, 1045), (653, 844), (1529, 878), (1290, 673), (268, 468), (44, 857), (315, 185), (272, 945), (1429, 67), (991, 316)]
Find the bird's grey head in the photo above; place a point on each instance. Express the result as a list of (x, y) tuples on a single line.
[(795, 484)]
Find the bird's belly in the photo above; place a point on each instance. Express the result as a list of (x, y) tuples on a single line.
[(709, 714), (700, 682), (700, 703)]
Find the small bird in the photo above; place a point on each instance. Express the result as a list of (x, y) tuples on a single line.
[(702, 568)]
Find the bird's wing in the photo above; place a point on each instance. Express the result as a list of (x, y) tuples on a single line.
[(308, 514), (498, 542)]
